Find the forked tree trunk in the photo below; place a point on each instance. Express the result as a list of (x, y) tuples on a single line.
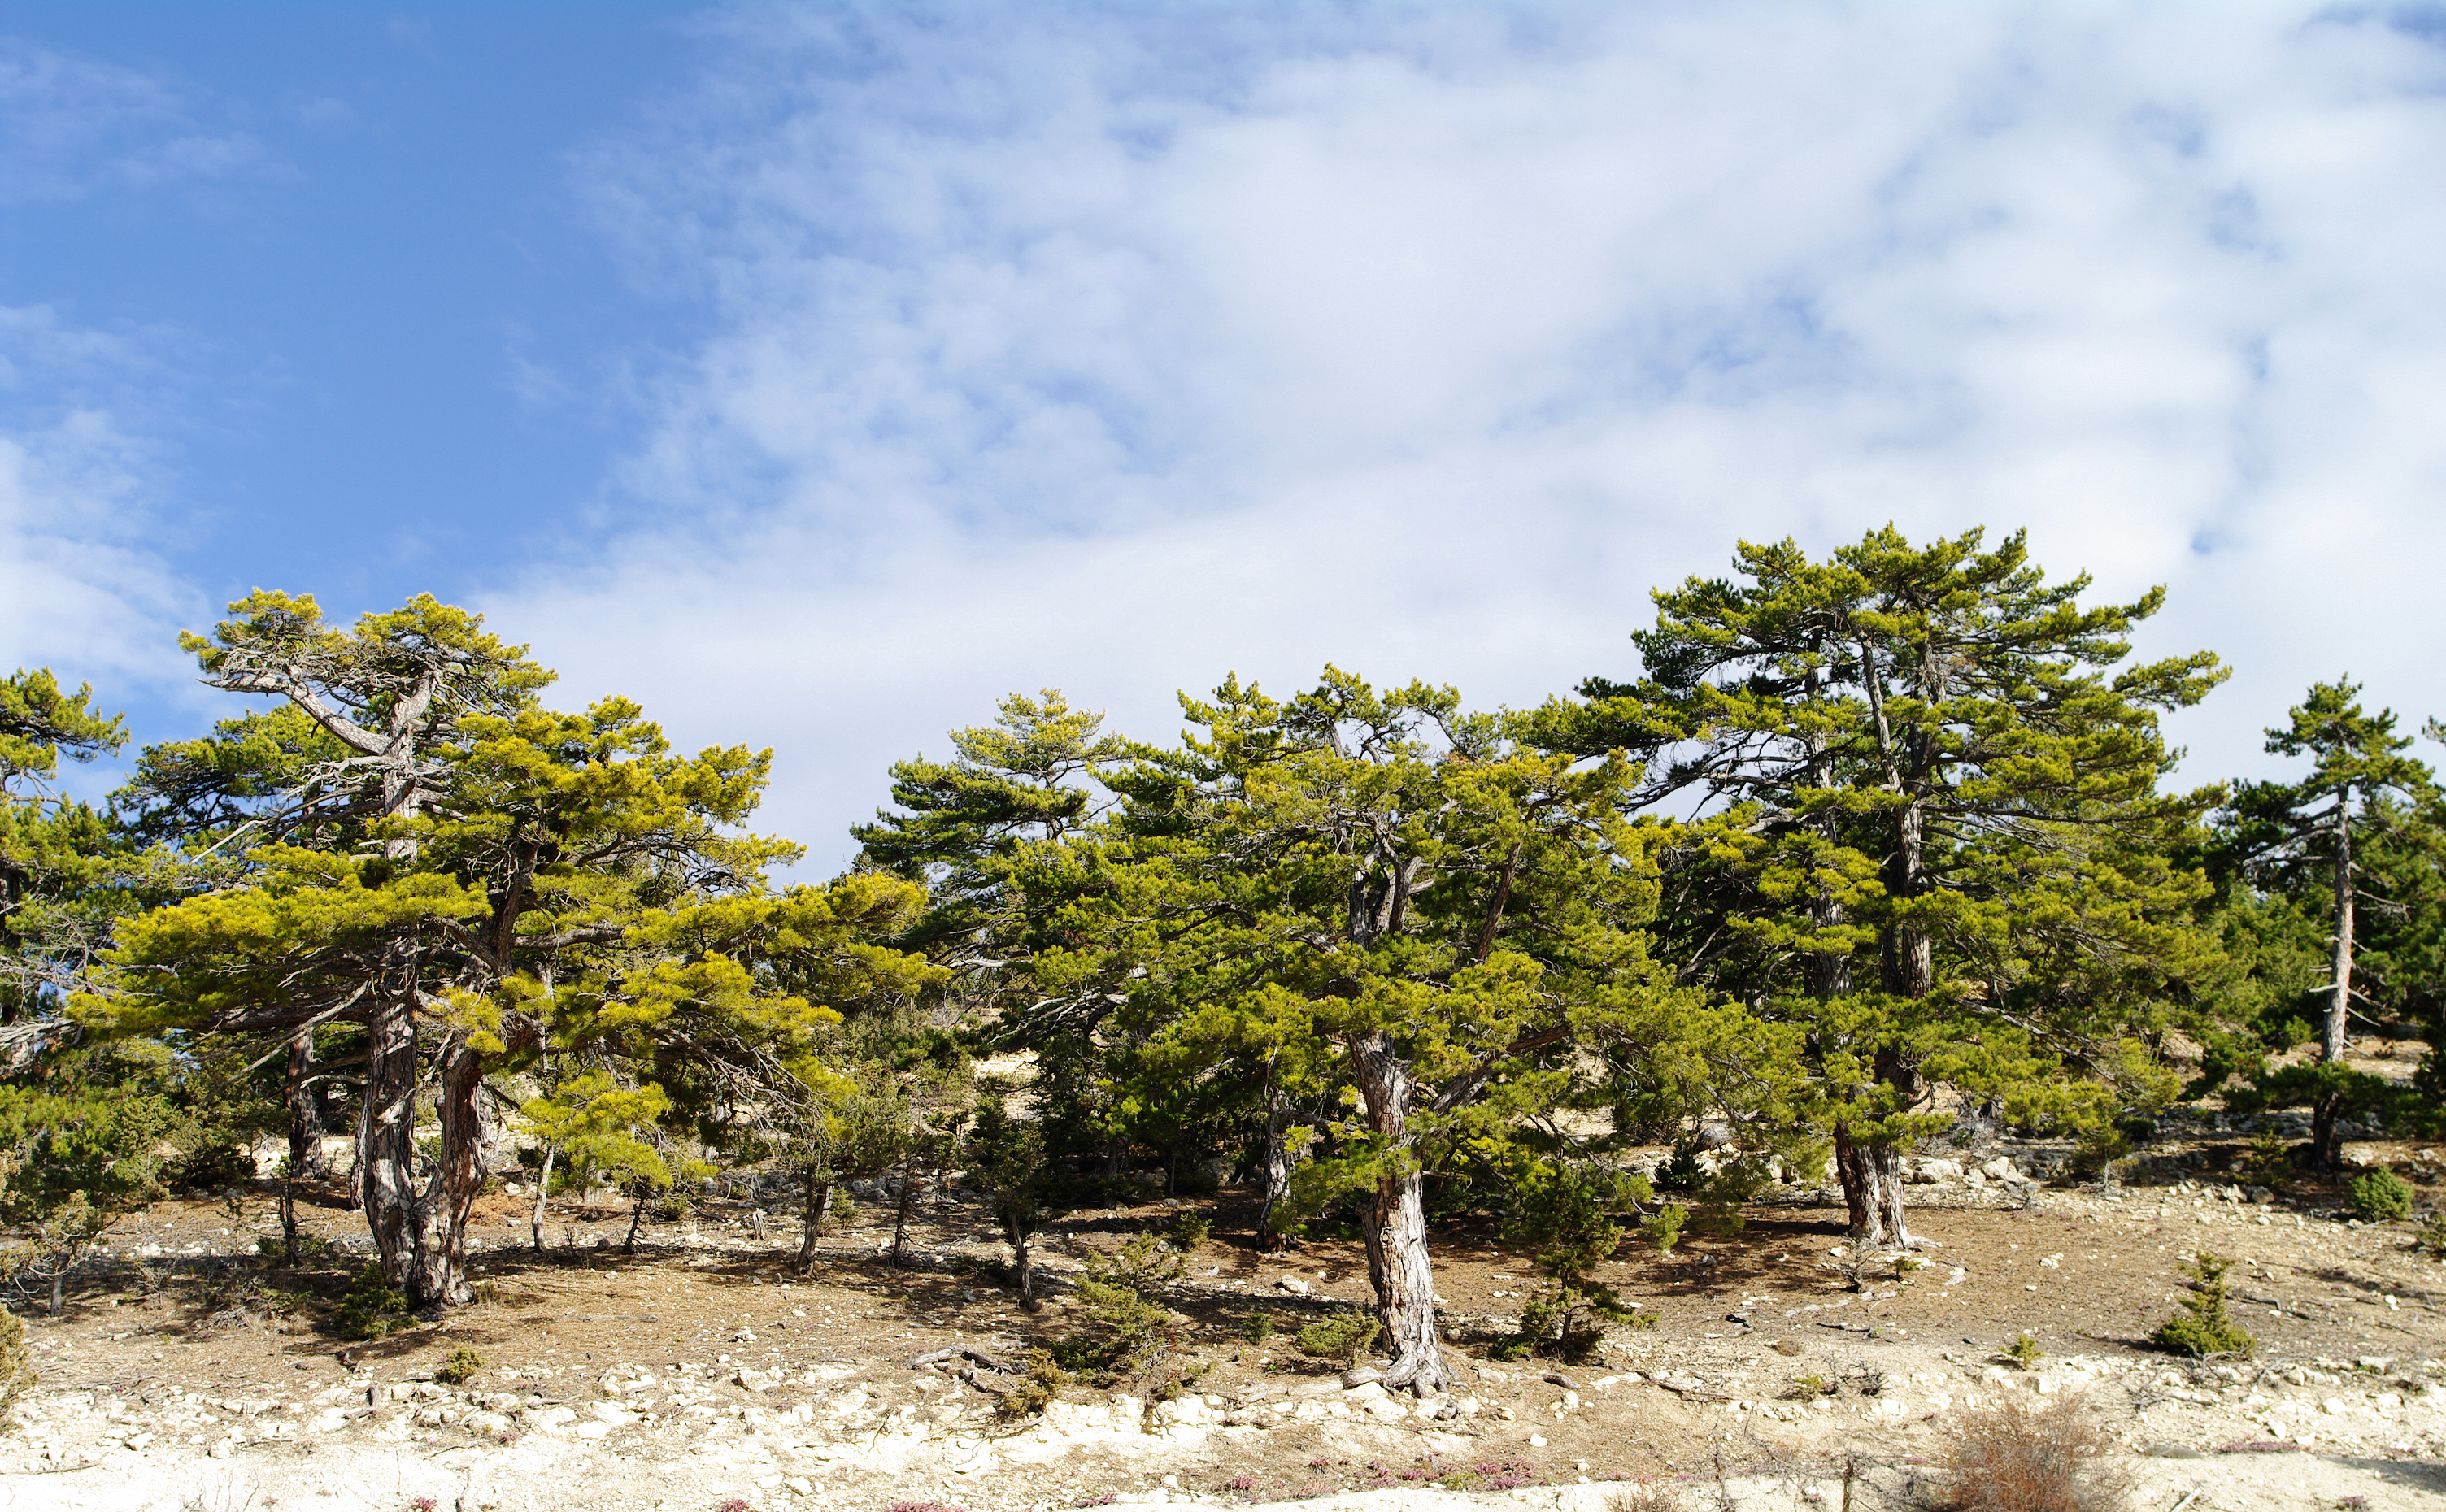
[(386, 1132), (637, 1216), (420, 1228), (437, 1273), (1395, 1217)]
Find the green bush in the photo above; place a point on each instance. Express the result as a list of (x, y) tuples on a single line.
[(2204, 1329), (2379, 1197), (372, 1306), (1345, 1338), (2432, 1238), (460, 1368), (1259, 1327), (16, 1363), (1190, 1229), (1663, 1229), (1037, 1388), (2024, 1351), (1122, 1335)]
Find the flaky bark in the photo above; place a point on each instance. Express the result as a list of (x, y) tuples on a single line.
[(1852, 1170), (420, 1227), (1396, 1220), (2340, 996), (307, 1161)]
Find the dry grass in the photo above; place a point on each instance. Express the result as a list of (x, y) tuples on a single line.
[(1649, 1496), (2017, 1458)]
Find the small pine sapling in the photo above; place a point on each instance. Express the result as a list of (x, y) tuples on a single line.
[(372, 1307), (1663, 1228), (1122, 1335), (2432, 1238), (1038, 1385), (461, 1367), (2381, 1197), (1345, 1338), (2024, 1353), (2269, 1163), (1558, 1213), (2204, 1329), (1190, 1229)]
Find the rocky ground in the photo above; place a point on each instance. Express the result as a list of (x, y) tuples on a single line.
[(706, 1371)]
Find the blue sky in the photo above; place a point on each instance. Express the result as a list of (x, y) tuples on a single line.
[(815, 373)]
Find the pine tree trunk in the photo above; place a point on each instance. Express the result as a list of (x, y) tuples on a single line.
[(307, 1161), (1851, 1169), (385, 1176), (637, 1216), (820, 1196), (437, 1270), (1885, 1166), (908, 1196), (1396, 1220), (1274, 1171), (543, 1195), (1023, 1264), (2340, 997), (2327, 1139)]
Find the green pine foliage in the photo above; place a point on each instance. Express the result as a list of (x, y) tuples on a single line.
[(2379, 1197), (372, 1306), (2204, 1328), (1345, 1338)]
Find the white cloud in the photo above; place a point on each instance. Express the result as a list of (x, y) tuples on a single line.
[(70, 126), (83, 587), (1117, 350)]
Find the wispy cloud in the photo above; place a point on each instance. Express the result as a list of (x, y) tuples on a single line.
[(1120, 348), (72, 126), (82, 586)]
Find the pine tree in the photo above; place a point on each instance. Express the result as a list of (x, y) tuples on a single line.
[(1447, 923), (1933, 774), (499, 882)]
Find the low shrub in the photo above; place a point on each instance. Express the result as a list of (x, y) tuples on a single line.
[(1038, 1385), (1190, 1229), (1663, 1228), (372, 1306), (2024, 1351), (1345, 1338), (16, 1363), (2019, 1458), (2381, 1197), (460, 1368)]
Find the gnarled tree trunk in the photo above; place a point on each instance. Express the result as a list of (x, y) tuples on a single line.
[(1859, 1191), (307, 1161), (420, 1227), (1396, 1220)]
